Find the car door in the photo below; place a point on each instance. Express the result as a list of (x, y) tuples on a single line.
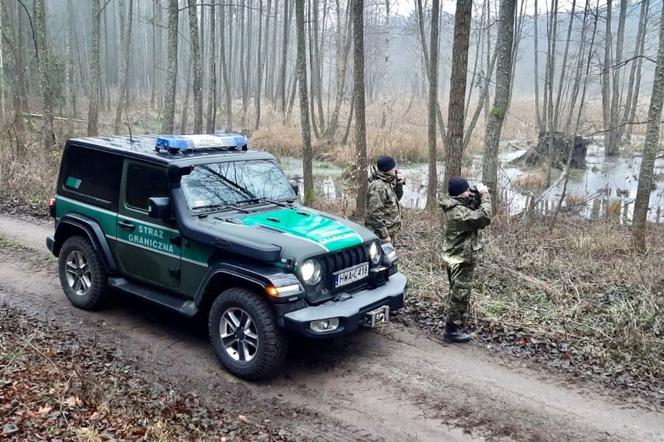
[(147, 249)]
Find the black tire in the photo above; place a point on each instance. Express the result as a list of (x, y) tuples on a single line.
[(267, 356), (91, 291)]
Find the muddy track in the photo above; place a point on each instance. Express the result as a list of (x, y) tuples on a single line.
[(389, 384)]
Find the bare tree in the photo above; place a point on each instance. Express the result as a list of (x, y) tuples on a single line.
[(197, 70), (95, 79), (613, 145), (212, 73), (536, 66), (360, 120), (433, 99), (305, 127), (172, 68), (650, 147), (455, 119), (124, 67), (634, 83), (504, 46)]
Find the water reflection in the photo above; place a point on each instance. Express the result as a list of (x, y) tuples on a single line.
[(606, 188)]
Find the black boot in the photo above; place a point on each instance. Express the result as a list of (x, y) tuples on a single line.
[(453, 334)]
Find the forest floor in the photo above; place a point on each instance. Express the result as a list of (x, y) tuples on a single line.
[(552, 377)]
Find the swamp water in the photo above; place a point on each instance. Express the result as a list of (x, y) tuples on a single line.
[(605, 188)]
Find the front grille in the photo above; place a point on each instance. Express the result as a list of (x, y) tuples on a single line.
[(341, 260)]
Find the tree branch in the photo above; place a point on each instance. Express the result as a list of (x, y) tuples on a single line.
[(34, 37)]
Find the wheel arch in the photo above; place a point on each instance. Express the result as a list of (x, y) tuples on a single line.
[(223, 279), (74, 224)]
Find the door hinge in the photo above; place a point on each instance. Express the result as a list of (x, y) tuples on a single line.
[(175, 273)]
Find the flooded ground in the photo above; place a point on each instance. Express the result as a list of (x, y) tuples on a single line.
[(605, 188)]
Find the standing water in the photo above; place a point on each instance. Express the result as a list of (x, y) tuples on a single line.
[(606, 187)]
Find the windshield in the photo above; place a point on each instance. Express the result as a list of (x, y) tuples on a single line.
[(233, 182)]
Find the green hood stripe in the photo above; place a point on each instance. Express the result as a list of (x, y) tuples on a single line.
[(307, 225)]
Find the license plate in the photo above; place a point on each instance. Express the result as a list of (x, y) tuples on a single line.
[(349, 276)]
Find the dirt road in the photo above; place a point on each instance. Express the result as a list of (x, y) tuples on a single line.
[(391, 384)]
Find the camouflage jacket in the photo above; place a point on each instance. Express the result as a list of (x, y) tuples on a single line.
[(383, 209), (461, 242)]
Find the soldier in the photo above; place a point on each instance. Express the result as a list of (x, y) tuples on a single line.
[(385, 191), (467, 211)]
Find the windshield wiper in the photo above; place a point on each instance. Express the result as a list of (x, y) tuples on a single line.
[(262, 199), (232, 183), (219, 207)]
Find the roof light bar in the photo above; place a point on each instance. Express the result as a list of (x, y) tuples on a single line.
[(181, 143)]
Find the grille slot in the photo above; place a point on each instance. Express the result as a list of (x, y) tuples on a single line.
[(344, 259)]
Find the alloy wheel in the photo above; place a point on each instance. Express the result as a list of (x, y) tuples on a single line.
[(239, 335)]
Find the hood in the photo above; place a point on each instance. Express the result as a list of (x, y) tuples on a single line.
[(300, 232)]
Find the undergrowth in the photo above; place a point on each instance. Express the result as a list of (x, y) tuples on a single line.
[(578, 292)]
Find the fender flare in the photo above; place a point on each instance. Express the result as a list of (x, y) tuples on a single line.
[(256, 276), (94, 233)]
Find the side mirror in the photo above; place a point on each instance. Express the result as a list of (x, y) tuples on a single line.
[(296, 186), (160, 208)]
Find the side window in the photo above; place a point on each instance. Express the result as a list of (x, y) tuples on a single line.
[(93, 174), (144, 182)]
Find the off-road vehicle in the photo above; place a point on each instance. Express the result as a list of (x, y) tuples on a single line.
[(205, 226)]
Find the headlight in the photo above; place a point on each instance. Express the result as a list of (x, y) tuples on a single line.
[(310, 272), (374, 253)]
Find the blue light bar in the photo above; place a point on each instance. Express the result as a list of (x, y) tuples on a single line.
[(182, 143)]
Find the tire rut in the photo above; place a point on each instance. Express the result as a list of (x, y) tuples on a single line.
[(394, 384)]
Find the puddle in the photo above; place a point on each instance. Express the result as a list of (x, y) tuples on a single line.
[(605, 188)]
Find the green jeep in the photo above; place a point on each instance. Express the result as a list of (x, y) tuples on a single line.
[(204, 226)]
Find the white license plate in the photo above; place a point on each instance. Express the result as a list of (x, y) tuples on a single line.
[(349, 276)]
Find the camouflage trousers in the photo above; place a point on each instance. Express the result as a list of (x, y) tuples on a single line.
[(460, 277)]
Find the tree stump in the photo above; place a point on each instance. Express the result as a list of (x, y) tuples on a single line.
[(560, 145)]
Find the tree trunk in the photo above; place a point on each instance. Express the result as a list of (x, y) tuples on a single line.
[(504, 43), (455, 119), (195, 59), (93, 106), (260, 59), (650, 147), (228, 93), (307, 154), (124, 69), (536, 66), (634, 82), (48, 135), (212, 73), (343, 49), (360, 121), (281, 84), (613, 147), (605, 78), (155, 19), (172, 68), (563, 70), (432, 185)]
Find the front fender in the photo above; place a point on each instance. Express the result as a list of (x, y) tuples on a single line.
[(224, 275)]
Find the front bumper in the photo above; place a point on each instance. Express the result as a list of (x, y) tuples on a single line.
[(350, 310)]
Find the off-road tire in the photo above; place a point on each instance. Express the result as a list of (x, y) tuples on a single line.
[(97, 294), (272, 344)]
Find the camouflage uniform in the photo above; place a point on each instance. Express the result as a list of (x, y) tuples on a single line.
[(383, 209), (461, 248)]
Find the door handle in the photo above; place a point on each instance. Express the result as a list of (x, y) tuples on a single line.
[(126, 225)]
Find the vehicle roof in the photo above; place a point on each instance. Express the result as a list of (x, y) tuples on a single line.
[(143, 147)]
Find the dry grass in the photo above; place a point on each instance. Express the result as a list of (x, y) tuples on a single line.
[(530, 182), (581, 284)]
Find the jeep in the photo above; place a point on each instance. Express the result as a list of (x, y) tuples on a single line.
[(209, 228)]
